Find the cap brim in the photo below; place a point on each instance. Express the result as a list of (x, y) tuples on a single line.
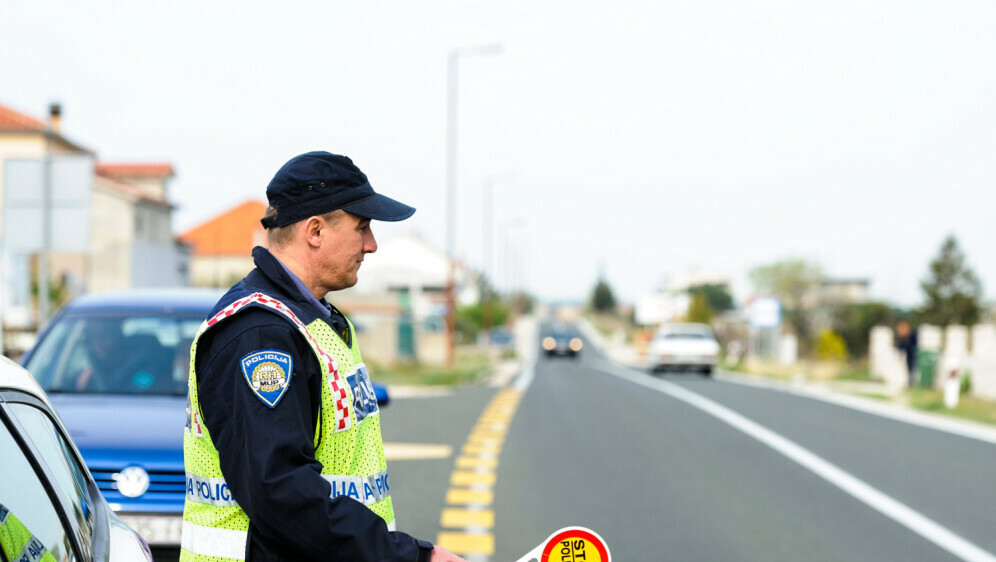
[(381, 208)]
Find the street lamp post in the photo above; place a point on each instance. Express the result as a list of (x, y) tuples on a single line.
[(451, 180), (487, 235)]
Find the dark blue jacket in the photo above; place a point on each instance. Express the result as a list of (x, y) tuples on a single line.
[(267, 454)]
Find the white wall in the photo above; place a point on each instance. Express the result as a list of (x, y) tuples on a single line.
[(969, 351), (111, 237)]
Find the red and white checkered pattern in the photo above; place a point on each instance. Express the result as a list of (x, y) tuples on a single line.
[(338, 386)]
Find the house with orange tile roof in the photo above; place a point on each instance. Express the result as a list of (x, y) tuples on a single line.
[(129, 214), (221, 248)]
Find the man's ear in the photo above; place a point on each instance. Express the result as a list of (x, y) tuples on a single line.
[(313, 227)]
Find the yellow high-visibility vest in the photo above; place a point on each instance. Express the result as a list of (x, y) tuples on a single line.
[(351, 451)]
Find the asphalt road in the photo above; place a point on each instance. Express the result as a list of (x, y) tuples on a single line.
[(660, 478)]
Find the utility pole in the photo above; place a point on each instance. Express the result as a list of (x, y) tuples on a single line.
[(44, 270)]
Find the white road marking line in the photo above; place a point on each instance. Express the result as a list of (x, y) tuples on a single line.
[(525, 378), (884, 504)]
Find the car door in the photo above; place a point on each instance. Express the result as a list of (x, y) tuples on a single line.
[(52, 510)]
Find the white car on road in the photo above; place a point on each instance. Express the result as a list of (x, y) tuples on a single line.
[(684, 346)]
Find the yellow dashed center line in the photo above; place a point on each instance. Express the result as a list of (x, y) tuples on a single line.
[(456, 517), (467, 478), (468, 519), (457, 496), (476, 462)]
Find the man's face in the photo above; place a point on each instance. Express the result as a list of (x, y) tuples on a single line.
[(101, 337), (348, 239)]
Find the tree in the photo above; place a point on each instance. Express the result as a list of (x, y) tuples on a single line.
[(793, 281), (470, 318), (952, 292), (790, 280), (699, 309), (718, 296), (854, 322), (602, 298)]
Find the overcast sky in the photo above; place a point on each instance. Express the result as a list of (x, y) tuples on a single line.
[(641, 138)]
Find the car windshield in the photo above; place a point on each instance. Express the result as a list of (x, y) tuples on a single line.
[(116, 354)]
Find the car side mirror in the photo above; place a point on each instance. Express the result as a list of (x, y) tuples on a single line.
[(383, 398)]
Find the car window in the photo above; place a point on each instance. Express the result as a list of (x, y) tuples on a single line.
[(687, 336), (68, 478), (29, 523), (116, 354)]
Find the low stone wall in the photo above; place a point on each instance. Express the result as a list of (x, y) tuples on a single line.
[(961, 350)]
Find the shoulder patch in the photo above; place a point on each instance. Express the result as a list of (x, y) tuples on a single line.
[(268, 374)]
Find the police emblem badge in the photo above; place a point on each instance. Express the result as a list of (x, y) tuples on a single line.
[(268, 374)]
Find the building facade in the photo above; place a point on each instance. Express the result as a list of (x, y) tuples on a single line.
[(126, 218)]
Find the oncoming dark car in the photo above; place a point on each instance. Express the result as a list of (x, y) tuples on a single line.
[(560, 342)]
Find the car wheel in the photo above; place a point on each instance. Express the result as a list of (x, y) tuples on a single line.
[(707, 371)]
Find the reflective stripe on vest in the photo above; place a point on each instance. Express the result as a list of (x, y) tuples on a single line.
[(367, 490), (212, 491), (208, 541), (221, 543), (364, 489)]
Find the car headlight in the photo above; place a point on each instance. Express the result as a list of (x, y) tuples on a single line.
[(549, 343), (576, 344)]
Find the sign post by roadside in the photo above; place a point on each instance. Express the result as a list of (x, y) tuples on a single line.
[(764, 315)]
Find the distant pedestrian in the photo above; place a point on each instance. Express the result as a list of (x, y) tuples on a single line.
[(906, 341)]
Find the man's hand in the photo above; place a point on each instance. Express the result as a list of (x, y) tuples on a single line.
[(440, 554)]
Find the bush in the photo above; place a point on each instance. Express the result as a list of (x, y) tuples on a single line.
[(470, 319), (966, 384), (830, 346), (854, 323)]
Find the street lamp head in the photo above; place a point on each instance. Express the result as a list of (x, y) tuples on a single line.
[(483, 50)]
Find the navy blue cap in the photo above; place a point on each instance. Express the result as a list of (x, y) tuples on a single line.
[(316, 183)]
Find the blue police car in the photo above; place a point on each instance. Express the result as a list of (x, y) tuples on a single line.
[(115, 366)]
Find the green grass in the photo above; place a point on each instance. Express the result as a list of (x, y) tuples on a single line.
[(874, 396), (855, 374), (969, 407), (469, 367)]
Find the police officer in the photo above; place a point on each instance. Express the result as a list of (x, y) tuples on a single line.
[(282, 447)]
